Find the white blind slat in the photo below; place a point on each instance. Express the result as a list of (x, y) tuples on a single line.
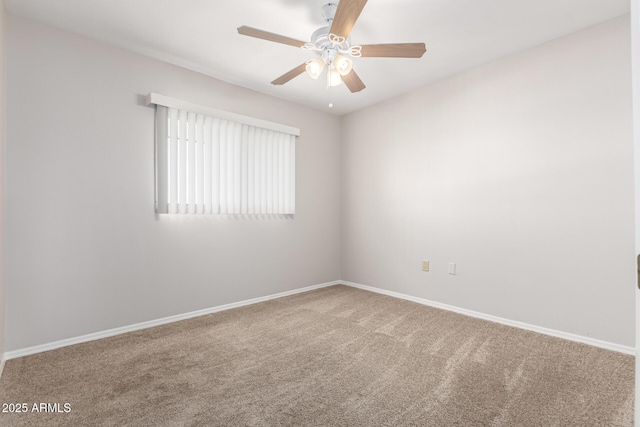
[(215, 166), (281, 166), (237, 168), (292, 175), (206, 154), (276, 176), (191, 163), (162, 160), (264, 148), (270, 171), (200, 164), (224, 166), (244, 168), (285, 173), (182, 162), (251, 161), (173, 160)]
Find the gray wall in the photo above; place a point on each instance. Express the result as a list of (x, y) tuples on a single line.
[(521, 172), (635, 47), (85, 251), (2, 173)]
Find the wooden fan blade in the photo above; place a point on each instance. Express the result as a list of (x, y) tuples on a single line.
[(394, 50), (353, 82), (289, 75), (346, 16), (265, 35)]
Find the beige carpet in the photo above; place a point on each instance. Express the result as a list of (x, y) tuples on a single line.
[(336, 356)]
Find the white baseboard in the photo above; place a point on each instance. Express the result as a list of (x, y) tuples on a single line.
[(2, 362), (138, 326), (150, 324), (546, 331)]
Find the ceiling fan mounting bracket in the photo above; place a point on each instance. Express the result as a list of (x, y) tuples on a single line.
[(328, 11)]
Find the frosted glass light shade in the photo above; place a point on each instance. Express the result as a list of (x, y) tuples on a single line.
[(333, 77), (314, 67), (343, 65)]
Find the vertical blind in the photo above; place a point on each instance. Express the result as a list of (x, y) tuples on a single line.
[(213, 165)]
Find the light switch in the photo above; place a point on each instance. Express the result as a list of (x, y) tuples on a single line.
[(452, 268)]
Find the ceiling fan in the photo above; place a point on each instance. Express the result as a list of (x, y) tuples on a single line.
[(333, 44)]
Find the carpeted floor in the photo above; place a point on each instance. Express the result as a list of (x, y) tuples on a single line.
[(336, 356)]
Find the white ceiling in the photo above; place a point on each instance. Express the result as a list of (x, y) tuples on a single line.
[(201, 35)]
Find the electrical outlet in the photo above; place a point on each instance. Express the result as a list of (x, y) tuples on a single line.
[(425, 265)]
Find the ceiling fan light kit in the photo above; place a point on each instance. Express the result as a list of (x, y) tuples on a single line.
[(343, 64), (333, 44), (315, 67)]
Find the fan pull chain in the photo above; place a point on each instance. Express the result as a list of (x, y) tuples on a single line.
[(329, 88)]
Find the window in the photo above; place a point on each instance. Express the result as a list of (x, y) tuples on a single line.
[(214, 162)]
